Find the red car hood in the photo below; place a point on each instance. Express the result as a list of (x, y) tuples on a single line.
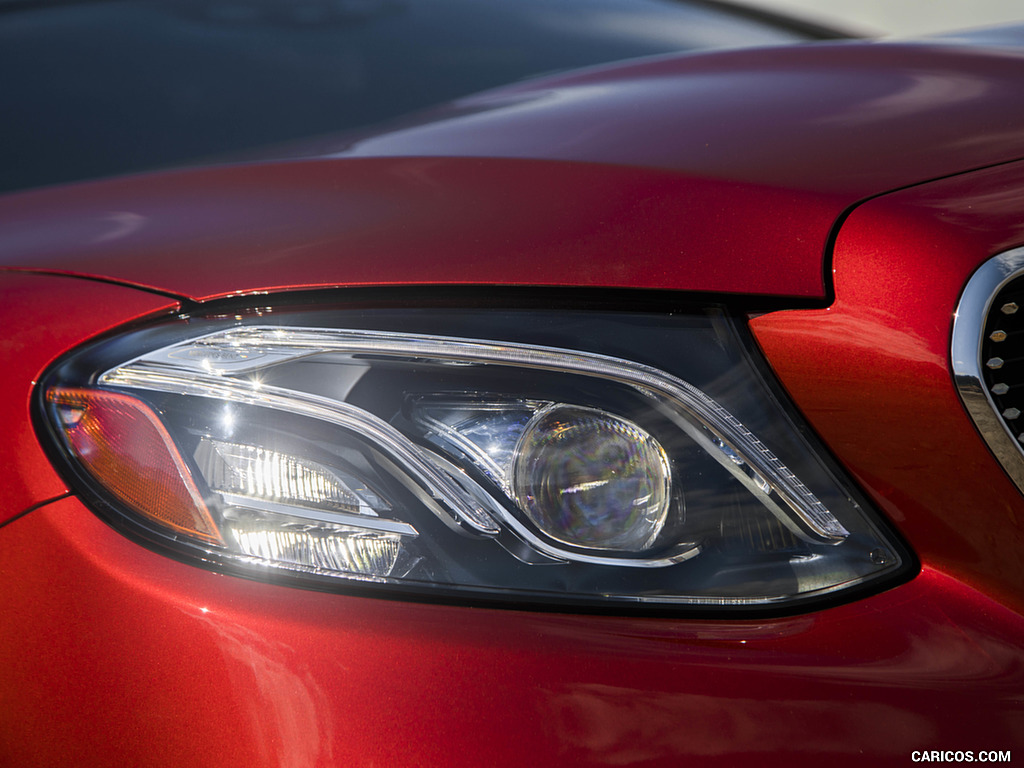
[(722, 173)]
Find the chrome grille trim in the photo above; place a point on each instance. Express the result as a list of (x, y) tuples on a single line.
[(969, 324)]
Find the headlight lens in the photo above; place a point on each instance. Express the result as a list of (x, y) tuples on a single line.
[(587, 478), (566, 457)]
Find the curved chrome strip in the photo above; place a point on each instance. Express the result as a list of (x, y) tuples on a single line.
[(364, 522), (441, 489), (968, 328), (678, 554), (236, 351), (464, 508)]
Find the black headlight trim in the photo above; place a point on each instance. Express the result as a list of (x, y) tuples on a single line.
[(109, 510)]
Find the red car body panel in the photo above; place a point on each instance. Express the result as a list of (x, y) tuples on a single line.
[(852, 119), (116, 655), (401, 221), (125, 657), (734, 195), (871, 372)]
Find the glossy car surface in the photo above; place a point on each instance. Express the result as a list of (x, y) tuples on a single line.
[(834, 198)]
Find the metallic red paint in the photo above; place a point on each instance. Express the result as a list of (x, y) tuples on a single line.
[(872, 373), (851, 119), (747, 190), (42, 317), (126, 657), (397, 221)]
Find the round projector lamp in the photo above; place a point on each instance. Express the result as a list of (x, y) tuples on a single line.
[(588, 478)]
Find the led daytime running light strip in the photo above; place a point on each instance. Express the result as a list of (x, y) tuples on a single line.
[(204, 367)]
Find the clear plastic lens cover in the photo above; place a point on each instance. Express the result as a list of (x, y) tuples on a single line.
[(565, 457)]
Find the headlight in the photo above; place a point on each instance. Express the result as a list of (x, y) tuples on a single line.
[(568, 457)]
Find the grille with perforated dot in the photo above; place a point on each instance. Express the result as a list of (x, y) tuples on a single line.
[(988, 357)]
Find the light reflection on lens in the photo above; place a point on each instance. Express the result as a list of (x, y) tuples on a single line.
[(259, 473), (327, 548), (590, 479)]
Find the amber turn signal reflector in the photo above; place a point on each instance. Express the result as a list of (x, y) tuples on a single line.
[(123, 444)]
